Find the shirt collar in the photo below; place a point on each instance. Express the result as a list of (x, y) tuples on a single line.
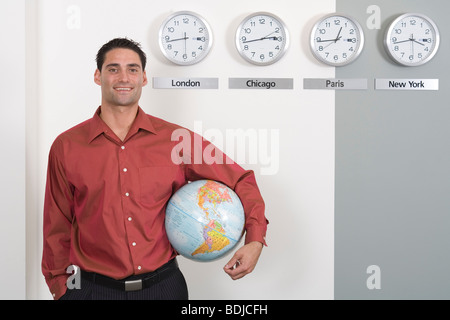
[(98, 126)]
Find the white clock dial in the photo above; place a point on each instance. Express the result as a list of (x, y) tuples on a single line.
[(262, 38), (412, 39), (185, 38), (337, 40)]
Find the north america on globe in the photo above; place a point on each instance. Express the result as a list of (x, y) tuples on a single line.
[(213, 233), (204, 220)]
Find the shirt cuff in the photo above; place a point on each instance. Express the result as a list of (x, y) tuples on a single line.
[(256, 233), (57, 286)]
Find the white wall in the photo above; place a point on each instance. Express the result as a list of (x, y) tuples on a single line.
[(298, 263), (12, 129)]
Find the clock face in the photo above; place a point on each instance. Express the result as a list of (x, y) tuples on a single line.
[(262, 38), (185, 38), (412, 39), (336, 40)]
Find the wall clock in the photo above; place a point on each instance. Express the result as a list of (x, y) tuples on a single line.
[(262, 38), (337, 40), (412, 39), (185, 38)]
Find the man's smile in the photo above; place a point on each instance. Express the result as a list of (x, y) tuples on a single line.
[(123, 89)]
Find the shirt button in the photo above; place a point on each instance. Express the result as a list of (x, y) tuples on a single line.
[(127, 194), (134, 244), (139, 267), (130, 218), (122, 147), (125, 169)]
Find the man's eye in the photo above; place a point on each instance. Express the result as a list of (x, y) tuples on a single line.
[(112, 70), (134, 70)]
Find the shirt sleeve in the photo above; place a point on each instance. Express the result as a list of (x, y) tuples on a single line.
[(205, 161), (57, 223)]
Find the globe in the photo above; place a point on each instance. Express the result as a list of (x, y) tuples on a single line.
[(204, 220)]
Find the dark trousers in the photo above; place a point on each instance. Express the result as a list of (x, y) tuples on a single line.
[(171, 288)]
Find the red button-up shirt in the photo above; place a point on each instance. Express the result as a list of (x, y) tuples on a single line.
[(105, 199)]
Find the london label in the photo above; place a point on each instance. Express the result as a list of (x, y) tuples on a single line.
[(185, 83)]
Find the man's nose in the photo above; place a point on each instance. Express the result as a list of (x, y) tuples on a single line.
[(123, 76)]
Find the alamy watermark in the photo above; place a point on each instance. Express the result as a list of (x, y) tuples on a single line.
[(244, 146)]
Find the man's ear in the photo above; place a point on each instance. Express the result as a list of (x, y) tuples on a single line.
[(145, 79), (97, 79)]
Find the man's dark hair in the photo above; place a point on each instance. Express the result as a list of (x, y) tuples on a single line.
[(120, 43)]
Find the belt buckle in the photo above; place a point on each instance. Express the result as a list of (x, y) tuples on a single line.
[(133, 285)]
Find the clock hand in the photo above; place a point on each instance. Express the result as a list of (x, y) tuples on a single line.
[(247, 41), (337, 37), (402, 41), (177, 39), (330, 40), (263, 38), (328, 45), (414, 40)]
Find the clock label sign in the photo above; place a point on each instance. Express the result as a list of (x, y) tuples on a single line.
[(261, 83), (407, 84), (185, 83), (335, 84)]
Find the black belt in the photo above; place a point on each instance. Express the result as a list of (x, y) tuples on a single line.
[(136, 282)]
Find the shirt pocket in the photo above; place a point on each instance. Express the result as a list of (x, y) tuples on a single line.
[(158, 183)]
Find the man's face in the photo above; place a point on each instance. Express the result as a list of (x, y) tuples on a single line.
[(121, 78)]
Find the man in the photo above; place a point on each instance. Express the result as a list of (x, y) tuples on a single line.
[(108, 183)]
